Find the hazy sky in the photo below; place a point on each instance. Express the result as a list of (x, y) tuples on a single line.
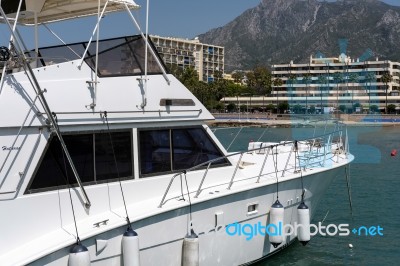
[(188, 19)]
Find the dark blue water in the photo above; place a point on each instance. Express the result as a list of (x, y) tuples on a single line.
[(375, 190)]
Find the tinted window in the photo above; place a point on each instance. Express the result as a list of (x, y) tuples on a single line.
[(51, 172), (88, 152), (55, 170), (117, 57), (155, 151), (81, 150), (192, 147), (175, 149), (106, 168), (124, 56)]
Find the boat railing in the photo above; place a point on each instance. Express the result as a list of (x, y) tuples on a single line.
[(314, 124), (311, 152)]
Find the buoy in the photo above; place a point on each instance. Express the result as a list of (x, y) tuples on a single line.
[(130, 248), (350, 246), (393, 153), (79, 255), (276, 220), (190, 250), (303, 213)]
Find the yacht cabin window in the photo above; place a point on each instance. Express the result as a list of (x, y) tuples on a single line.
[(93, 157), (168, 150), (123, 56)]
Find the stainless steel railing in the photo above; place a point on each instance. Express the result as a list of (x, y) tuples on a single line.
[(314, 151)]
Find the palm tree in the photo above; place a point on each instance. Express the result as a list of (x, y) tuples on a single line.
[(369, 77), (322, 80), (307, 78), (338, 78), (386, 78), (277, 82), (353, 78)]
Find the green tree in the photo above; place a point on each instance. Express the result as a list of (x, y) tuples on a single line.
[(386, 78), (189, 77), (391, 108), (176, 71), (219, 107), (231, 107), (243, 108), (374, 108), (238, 76), (283, 106), (297, 109), (270, 107), (358, 105), (312, 109), (342, 108), (218, 75), (260, 80)]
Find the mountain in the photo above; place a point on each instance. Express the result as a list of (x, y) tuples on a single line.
[(278, 31)]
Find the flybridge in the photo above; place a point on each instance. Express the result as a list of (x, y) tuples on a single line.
[(43, 11), (123, 56)]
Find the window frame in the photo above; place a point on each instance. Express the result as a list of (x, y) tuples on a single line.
[(28, 190), (170, 130)]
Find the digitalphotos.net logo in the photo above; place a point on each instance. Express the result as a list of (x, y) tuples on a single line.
[(258, 229)]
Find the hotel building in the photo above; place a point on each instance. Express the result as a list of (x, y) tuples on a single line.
[(206, 59), (333, 83)]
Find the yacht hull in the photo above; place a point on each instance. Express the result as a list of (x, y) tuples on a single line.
[(161, 236)]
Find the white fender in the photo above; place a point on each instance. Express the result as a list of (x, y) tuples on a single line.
[(190, 250), (276, 216), (130, 248), (303, 213), (79, 256)]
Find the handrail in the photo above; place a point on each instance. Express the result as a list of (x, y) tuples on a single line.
[(263, 165), (126, 112), (241, 153), (234, 173), (202, 181), (37, 88)]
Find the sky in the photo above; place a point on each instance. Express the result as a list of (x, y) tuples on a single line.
[(187, 19), (168, 18)]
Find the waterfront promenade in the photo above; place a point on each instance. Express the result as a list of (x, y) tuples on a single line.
[(294, 120)]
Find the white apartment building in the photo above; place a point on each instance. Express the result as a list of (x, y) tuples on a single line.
[(332, 82), (328, 83), (205, 58)]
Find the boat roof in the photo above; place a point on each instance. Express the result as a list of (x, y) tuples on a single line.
[(57, 10)]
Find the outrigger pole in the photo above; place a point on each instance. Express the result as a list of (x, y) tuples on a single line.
[(28, 70)]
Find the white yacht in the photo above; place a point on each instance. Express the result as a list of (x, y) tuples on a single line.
[(106, 159)]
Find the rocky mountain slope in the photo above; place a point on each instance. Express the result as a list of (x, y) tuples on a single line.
[(278, 31)]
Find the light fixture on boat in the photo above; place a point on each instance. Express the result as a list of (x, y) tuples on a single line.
[(130, 248), (276, 216), (79, 255), (303, 213), (190, 249)]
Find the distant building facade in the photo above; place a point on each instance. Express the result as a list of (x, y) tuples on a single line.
[(335, 82), (331, 84), (206, 59)]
